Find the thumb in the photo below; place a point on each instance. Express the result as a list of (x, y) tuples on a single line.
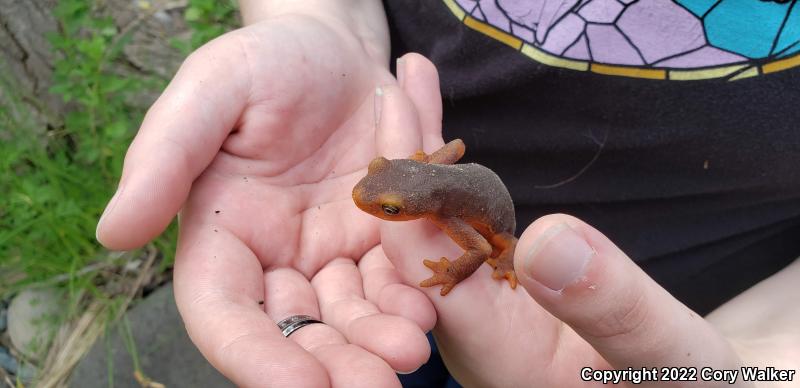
[(181, 134), (409, 113), (419, 78), (583, 279)]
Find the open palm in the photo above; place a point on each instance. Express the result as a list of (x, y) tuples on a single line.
[(258, 141)]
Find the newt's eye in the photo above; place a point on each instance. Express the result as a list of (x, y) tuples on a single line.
[(390, 209)]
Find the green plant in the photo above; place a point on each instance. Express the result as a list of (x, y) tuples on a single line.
[(207, 19), (60, 179)]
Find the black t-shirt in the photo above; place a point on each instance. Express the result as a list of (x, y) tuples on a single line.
[(682, 147)]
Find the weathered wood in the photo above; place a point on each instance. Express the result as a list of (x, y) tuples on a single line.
[(26, 57)]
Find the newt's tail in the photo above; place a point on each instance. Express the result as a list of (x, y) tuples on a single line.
[(448, 154)]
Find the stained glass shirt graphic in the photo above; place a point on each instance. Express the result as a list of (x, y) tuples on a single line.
[(657, 39)]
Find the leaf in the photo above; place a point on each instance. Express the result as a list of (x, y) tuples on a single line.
[(113, 84), (192, 14), (109, 31), (116, 129), (93, 48)]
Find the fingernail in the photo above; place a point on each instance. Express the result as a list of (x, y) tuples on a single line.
[(400, 70), (558, 257), (406, 373), (378, 105)]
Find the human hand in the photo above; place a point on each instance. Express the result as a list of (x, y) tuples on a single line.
[(583, 304), (588, 305), (258, 140)]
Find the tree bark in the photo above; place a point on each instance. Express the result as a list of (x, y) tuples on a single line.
[(27, 59)]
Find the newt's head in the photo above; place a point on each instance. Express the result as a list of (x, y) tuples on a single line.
[(393, 190)]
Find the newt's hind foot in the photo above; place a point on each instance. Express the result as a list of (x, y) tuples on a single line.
[(503, 269), (442, 274)]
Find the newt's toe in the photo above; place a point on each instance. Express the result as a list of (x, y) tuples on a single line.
[(512, 279), (437, 266), (441, 275), (501, 272)]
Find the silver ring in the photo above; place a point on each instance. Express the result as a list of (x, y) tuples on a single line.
[(291, 324)]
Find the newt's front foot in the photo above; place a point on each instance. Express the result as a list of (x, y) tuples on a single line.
[(442, 274)]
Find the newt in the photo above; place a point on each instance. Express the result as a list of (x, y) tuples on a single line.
[(467, 201)]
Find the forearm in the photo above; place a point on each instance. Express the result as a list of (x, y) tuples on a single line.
[(365, 19)]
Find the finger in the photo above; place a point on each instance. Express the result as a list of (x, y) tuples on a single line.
[(582, 278), (398, 129), (179, 137), (397, 340), (218, 285), (288, 293), (384, 287), (420, 81)]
